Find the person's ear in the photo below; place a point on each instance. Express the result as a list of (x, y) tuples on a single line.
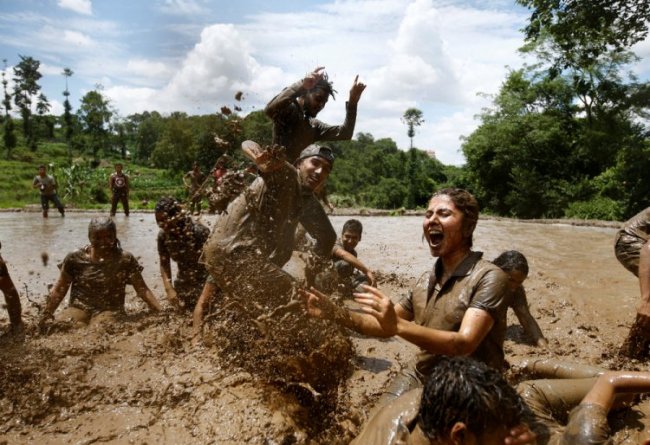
[(459, 434)]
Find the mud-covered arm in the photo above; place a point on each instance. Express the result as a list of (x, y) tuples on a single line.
[(526, 319), (280, 102), (56, 296), (11, 295), (263, 159), (144, 293), (166, 275), (354, 261), (209, 290), (611, 383), (343, 132)]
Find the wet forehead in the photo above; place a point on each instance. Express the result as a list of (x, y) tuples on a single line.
[(441, 202)]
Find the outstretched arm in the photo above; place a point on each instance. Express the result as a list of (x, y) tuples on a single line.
[(166, 274), (528, 322), (144, 292), (264, 160), (611, 383), (209, 290), (356, 263), (56, 296)]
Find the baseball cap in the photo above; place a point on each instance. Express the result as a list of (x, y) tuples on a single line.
[(322, 151)]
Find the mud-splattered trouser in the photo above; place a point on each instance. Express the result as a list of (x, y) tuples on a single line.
[(45, 203), (627, 249), (122, 197), (252, 279), (315, 221), (195, 201), (568, 384)]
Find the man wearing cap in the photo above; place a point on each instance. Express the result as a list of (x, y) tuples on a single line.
[(295, 126), (237, 254)]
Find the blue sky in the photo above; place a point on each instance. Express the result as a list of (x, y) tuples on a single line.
[(194, 55)]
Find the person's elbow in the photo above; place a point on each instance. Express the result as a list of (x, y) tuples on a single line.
[(461, 345)]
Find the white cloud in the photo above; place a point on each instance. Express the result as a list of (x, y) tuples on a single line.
[(78, 6), (182, 7), (149, 69)]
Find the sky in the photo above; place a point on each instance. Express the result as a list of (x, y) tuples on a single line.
[(444, 57)]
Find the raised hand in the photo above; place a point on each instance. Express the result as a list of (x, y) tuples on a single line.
[(311, 79), (356, 90)]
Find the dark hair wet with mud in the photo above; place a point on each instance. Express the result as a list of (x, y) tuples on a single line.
[(466, 203), (512, 260), (462, 389), (101, 224), (168, 205), (353, 226)]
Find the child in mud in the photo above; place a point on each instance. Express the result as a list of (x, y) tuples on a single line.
[(458, 308), (196, 179), (180, 239), (295, 126), (465, 402), (119, 185), (515, 265), (11, 298), (47, 186), (350, 271), (98, 275), (632, 249)]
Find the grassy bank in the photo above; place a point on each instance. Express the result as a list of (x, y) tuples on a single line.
[(82, 180)]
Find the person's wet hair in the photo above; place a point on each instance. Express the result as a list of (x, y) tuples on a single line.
[(462, 389), (103, 224), (169, 206), (466, 203), (325, 85), (512, 260), (353, 226)]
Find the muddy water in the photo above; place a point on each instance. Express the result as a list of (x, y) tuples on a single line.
[(578, 258), (141, 382)]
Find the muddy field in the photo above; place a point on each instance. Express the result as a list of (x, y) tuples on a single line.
[(140, 381)]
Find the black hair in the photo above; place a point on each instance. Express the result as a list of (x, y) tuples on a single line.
[(168, 205), (511, 260), (466, 203), (327, 86), (462, 389), (103, 223), (353, 225)]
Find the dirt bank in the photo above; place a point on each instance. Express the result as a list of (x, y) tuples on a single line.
[(140, 381)]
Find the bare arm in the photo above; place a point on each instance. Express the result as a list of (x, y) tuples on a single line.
[(166, 274), (356, 262), (611, 383), (144, 292), (202, 304), (56, 296), (528, 322)]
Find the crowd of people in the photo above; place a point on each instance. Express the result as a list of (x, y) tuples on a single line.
[(453, 392)]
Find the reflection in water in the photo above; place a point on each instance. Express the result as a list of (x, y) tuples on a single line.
[(580, 260)]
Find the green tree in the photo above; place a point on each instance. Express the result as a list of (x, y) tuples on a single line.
[(9, 134), (412, 118), (175, 150), (67, 112), (95, 116), (26, 88)]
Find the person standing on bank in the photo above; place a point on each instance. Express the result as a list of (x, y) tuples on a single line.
[(47, 186), (295, 126), (119, 185)]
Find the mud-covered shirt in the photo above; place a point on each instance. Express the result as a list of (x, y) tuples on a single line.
[(295, 131), (196, 180), (119, 183), (639, 225), (475, 283), (339, 245), (185, 247), (46, 184), (259, 218), (99, 286)]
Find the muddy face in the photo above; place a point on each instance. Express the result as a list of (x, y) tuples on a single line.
[(443, 226), (350, 240), (315, 101), (103, 240), (313, 171)]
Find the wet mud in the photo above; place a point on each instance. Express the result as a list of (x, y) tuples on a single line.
[(138, 380)]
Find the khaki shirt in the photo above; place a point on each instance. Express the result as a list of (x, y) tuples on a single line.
[(258, 218), (476, 283), (639, 225), (295, 131)]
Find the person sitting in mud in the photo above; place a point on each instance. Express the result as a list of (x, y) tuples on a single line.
[(632, 249), (237, 254), (193, 181), (466, 402), (459, 308), (180, 239), (47, 186), (515, 265), (350, 271), (295, 126), (12, 299), (119, 185), (98, 275)]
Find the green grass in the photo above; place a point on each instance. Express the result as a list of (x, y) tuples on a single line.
[(81, 186)]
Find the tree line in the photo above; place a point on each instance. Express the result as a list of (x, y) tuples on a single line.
[(566, 135)]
